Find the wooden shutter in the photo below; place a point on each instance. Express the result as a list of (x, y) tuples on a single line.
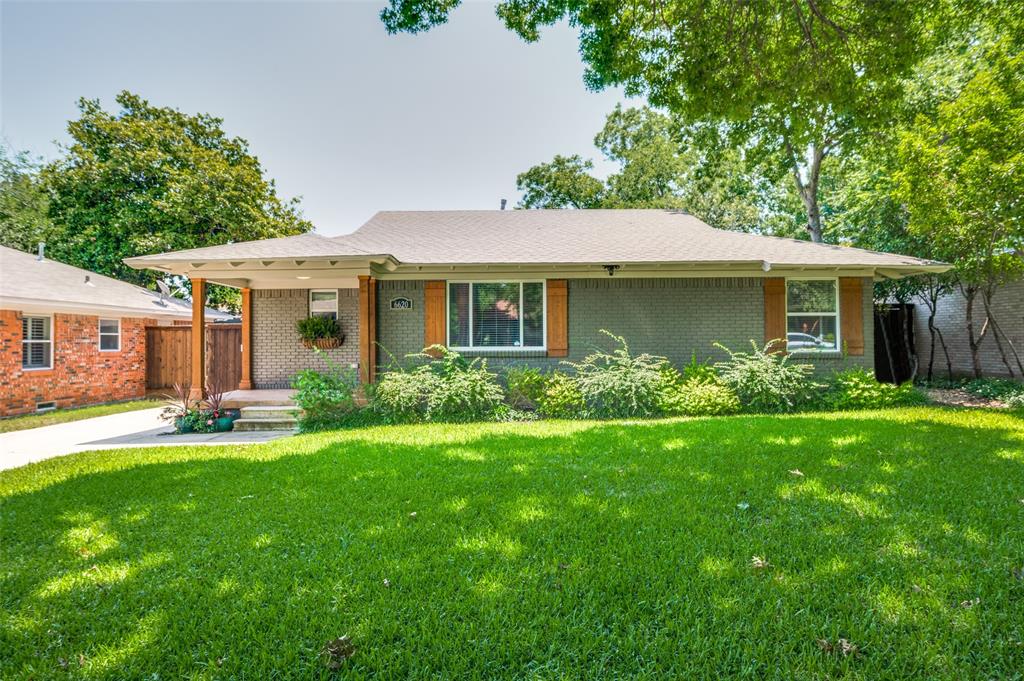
[(775, 311), (558, 317), (434, 313), (851, 314)]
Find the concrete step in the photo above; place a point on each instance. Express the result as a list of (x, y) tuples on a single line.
[(248, 425), (271, 412)]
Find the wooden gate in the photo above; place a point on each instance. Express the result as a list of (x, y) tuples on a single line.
[(169, 356)]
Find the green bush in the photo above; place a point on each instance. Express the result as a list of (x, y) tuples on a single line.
[(314, 328), (858, 389), (561, 398), (1015, 401), (327, 399), (699, 372), (764, 381), (695, 397), (446, 388), (618, 384), (994, 388), (524, 386)]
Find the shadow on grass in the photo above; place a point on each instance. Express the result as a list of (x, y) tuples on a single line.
[(545, 549)]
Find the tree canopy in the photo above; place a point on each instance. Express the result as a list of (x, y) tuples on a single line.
[(148, 179), (663, 163), (795, 79), (24, 206)]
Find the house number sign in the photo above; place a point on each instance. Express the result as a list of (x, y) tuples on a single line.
[(401, 304)]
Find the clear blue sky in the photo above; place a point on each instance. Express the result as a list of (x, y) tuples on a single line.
[(340, 113)]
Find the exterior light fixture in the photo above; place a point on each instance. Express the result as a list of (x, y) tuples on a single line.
[(301, 277), (610, 269)]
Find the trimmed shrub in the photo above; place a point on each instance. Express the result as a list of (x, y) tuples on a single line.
[(764, 381), (327, 398), (697, 398), (447, 388), (618, 384), (858, 389), (561, 398)]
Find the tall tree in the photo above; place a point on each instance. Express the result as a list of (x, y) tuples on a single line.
[(24, 219), (662, 163), (960, 178), (564, 182), (147, 179), (800, 79)]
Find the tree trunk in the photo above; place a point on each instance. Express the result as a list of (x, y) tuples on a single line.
[(986, 301), (807, 186), (906, 320), (1009, 341), (970, 292), (945, 351)]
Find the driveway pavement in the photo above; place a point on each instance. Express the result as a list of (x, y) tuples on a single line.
[(142, 428)]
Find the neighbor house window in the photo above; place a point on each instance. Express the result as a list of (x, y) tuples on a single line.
[(496, 315), (110, 335), (323, 303), (36, 342), (812, 315)]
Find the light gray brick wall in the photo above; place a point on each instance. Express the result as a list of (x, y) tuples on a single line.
[(950, 318), (277, 351), (674, 318)]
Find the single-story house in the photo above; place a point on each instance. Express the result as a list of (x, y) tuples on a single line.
[(538, 286), (70, 337)]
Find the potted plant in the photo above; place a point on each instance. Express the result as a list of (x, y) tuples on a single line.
[(322, 333), (180, 409), (217, 418)]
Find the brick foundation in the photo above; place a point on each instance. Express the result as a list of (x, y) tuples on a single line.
[(80, 373)]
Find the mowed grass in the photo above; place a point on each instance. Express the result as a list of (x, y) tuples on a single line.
[(50, 418), (545, 550)]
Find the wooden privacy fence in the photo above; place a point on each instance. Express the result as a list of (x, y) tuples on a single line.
[(169, 356)]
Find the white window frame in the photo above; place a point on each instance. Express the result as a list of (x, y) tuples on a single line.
[(839, 339), (48, 341), (312, 312), (101, 334), (497, 348)]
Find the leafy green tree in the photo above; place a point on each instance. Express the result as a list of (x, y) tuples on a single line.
[(797, 79), (664, 164), (960, 178), (24, 219), (868, 215), (148, 179), (565, 182)]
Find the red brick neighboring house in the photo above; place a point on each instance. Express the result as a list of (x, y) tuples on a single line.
[(69, 337)]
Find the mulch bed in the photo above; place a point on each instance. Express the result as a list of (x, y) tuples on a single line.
[(954, 397)]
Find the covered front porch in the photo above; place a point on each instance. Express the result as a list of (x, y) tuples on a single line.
[(273, 344)]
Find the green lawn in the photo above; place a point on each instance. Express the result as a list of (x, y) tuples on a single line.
[(545, 550), (67, 415)]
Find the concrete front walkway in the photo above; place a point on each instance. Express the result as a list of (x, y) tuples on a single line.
[(141, 428)]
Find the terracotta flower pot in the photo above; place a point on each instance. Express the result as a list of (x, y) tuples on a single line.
[(324, 343)]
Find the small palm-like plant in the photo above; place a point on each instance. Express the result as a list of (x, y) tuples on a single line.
[(178, 404)]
